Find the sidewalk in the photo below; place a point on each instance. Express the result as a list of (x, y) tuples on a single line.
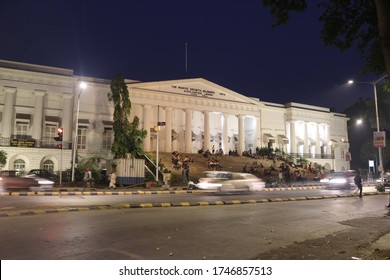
[(365, 237)]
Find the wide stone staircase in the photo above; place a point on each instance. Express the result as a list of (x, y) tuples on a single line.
[(227, 163)]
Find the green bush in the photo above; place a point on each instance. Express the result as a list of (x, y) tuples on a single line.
[(380, 188), (91, 163)]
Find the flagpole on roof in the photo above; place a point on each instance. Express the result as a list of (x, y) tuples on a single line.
[(186, 57)]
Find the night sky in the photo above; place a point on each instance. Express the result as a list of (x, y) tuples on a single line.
[(229, 43)]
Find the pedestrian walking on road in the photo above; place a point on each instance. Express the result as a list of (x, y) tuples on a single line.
[(88, 181), (168, 177), (112, 180), (359, 183), (186, 175)]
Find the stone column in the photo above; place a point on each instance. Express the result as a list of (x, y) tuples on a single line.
[(225, 136), (188, 131), (67, 117), (306, 147), (147, 125), (258, 133), (38, 114), (206, 133), (168, 129), (8, 114), (241, 134), (318, 141), (327, 137), (293, 138)]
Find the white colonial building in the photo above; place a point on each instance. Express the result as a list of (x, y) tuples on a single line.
[(198, 114)]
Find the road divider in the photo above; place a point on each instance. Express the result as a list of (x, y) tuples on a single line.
[(77, 192), (23, 212)]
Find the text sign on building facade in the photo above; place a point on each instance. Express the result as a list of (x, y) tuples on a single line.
[(379, 139), (25, 143), (194, 91)]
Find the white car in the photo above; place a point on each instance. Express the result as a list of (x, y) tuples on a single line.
[(225, 181), (340, 180), (44, 184)]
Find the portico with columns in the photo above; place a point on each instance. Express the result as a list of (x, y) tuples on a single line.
[(199, 114)]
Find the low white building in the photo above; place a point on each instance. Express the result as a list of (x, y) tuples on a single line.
[(198, 114)]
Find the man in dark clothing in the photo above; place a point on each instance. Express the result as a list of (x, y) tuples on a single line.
[(359, 183), (186, 174)]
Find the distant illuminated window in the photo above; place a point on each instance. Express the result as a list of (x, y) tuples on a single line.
[(21, 129), (19, 164), (107, 138), (82, 138), (48, 165), (50, 133), (22, 125)]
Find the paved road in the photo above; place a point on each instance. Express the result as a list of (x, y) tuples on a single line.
[(243, 231)]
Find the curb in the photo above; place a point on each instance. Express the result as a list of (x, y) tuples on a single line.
[(175, 204), (65, 192)]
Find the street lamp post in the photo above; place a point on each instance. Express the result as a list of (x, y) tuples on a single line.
[(346, 140), (358, 122), (374, 83), (83, 86), (157, 140)]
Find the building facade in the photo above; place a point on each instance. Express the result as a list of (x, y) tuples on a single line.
[(195, 114)]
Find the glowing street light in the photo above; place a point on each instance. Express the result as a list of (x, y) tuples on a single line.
[(83, 86), (374, 83), (358, 122)]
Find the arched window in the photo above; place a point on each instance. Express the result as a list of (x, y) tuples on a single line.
[(48, 165), (19, 164)]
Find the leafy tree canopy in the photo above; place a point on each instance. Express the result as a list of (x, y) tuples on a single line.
[(91, 163), (369, 152), (361, 143), (3, 158), (127, 137), (364, 24)]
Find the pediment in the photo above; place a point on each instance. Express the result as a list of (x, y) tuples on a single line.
[(200, 88)]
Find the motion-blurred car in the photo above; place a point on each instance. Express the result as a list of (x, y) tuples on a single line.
[(10, 180), (43, 173), (340, 180), (224, 181)]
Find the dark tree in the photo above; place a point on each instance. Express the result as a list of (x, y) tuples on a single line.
[(348, 23), (3, 158), (369, 152), (127, 137)]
